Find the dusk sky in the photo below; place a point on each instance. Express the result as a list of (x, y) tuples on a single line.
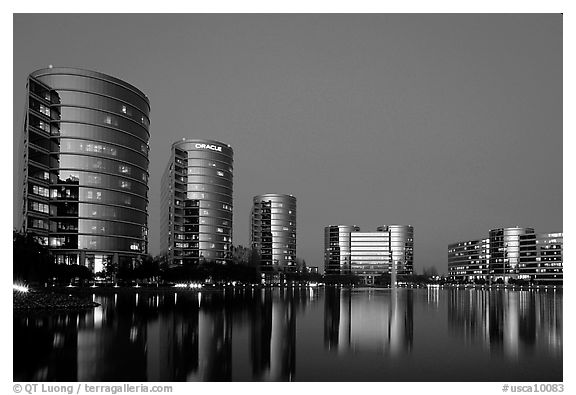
[(451, 123)]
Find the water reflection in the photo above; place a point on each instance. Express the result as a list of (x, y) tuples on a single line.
[(283, 334), (274, 336), (368, 321), (511, 323)]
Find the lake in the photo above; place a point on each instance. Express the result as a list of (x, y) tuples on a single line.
[(297, 334)]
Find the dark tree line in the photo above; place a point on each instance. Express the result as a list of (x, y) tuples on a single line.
[(31, 263)]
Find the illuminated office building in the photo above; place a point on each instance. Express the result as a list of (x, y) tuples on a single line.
[(504, 252), (541, 258), (508, 255), (85, 186), (368, 255), (196, 207), (401, 246), (468, 260), (273, 233), (337, 248)]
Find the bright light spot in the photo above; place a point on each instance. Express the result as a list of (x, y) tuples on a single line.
[(20, 288)]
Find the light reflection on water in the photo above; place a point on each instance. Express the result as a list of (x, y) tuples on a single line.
[(306, 334)]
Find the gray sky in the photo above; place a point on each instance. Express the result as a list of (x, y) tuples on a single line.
[(450, 123)]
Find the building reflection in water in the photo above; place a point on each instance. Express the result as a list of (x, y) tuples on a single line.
[(273, 336), (162, 337), (507, 322), (188, 336), (375, 321)]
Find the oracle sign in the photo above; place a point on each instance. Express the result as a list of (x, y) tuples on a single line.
[(209, 146)]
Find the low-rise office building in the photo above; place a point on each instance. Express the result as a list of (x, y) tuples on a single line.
[(508, 255), (337, 248), (541, 259), (368, 255)]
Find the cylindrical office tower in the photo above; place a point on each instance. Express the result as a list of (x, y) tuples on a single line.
[(401, 246), (505, 252), (273, 230), (86, 167), (197, 203), (337, 248)]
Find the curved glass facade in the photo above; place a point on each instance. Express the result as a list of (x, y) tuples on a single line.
[(401, 246), (273, 230), (87, 144), (337, 248), (197, 203), (505, 252), (509, 255), (368, 254)]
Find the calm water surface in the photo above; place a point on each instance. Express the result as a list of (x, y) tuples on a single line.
[(302, 334)]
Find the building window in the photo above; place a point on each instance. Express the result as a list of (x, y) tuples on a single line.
[(124, 169), (40, 207), (44, 110), (41, 191), (125, 184), (44, 126), (96, 180), (110, 120)]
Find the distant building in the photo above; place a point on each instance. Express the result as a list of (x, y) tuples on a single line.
[(368, 254), (337, 248), (469, 259), (401, 246), (196, 207), (273, 231), (508, 255), (311, 269), (85, 188), (541, 258), (504, 252)]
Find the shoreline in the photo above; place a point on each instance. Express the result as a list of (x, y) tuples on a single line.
[(87, 290), (49, 301)]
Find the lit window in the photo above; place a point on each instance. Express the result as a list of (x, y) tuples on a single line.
[(44, 110), (124, 109), (125, 184), (124, 169)]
